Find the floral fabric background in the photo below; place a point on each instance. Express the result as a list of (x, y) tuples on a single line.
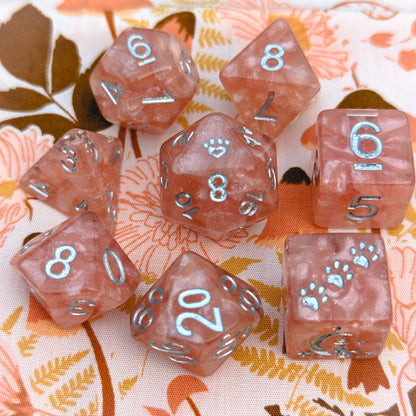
[(364, 53)]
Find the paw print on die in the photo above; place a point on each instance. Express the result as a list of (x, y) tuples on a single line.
[(217, 176), (339, 303)]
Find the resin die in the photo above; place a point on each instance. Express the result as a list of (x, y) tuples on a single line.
[(80, 172), (77, 270), (145, 79), (364, 172), (339, 302), (270, 81), (196, 314), (217, 176)]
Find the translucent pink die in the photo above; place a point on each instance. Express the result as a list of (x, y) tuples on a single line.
[(364, 171), (218, 176), (145, 79), (196, 314), (80, 172), (339, 302), (270, 81), (77, 270)]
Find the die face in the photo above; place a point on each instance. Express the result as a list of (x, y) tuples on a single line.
[(80, 172), (77, 270), (218, 176), (339, 302), (270, 81), (145, 79), (197, 314), (365, 171)]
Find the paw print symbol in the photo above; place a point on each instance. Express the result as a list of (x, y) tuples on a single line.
[(312, 300), (336, 275), (363, 256), (217, 147)]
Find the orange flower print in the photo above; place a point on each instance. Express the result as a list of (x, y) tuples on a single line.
[(18, 152), (311, 28), (402, 263), (14, 399), (151, 241)]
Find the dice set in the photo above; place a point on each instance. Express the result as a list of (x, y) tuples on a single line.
[(218, 176)]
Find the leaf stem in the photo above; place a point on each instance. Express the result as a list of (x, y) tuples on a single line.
[(192, 405), (51, 97), (106, 383)]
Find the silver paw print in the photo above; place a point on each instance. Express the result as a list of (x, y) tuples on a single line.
[(363, 256), (217, 147), (315, 297), (338, 273)]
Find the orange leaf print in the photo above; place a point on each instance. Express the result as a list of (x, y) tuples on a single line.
[(295, 211), (369, 372), (381, 40), (39, 322), (14, 399), (182, 25), (181, 388)]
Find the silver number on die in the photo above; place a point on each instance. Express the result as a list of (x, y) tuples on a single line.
[(166, 98), (261, 114), (69, 164), (356, 203), (357, 138), (65, 261), (249, 301), (274, 57), (218, 183), (206, 299), (164, 175), (177, 352), (120, 266), (41, 188), (80, 307), (135, 42), (184, 200), (90, 147), (249, 206), (143, 317), (247, 134), (185, 62), (112, 213), (272, 174), (228, 343), (113, 91)]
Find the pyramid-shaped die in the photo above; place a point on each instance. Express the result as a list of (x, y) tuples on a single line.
[(80, 172)]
